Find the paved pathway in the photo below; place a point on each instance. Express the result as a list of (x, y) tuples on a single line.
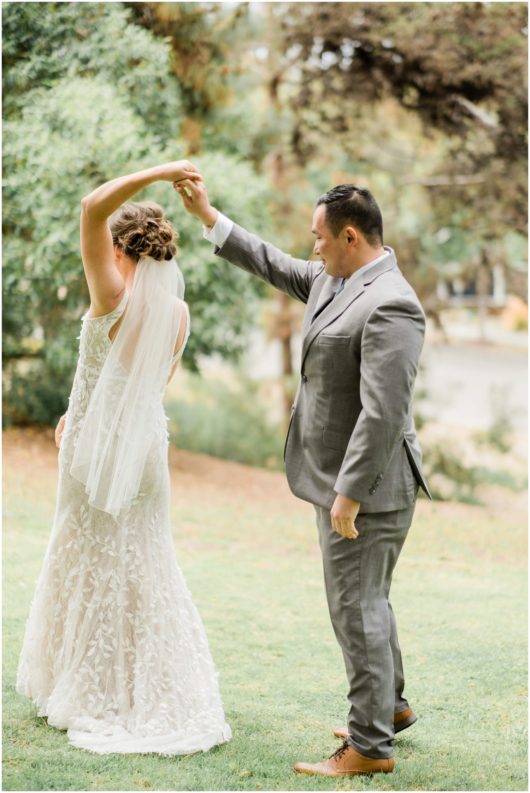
[(467, 384)]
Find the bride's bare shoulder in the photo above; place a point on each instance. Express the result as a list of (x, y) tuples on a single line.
[(183, 312), (182, 308)]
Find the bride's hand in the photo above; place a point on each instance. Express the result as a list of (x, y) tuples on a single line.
[(178, 170), (196, 201), (59, 430)]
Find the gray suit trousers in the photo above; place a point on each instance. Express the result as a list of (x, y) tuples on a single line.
[(357, 575)]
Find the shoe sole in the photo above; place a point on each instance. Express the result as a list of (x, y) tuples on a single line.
[(344, 773), (408, 722)]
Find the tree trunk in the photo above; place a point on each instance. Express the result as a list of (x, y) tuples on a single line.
[(483, 282), (285, 319)]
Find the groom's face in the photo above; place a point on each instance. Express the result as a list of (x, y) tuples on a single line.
[(333, 251)]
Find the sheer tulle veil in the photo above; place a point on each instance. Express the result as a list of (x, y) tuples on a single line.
[(116, 433)]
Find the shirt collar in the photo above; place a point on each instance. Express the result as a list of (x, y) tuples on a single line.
[(374, 261)]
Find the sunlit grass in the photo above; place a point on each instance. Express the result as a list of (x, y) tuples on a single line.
[(250, 555)]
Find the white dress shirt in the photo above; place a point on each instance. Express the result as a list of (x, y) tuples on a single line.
[(220, 231)]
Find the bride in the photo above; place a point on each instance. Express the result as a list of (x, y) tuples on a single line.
[(114, 649)]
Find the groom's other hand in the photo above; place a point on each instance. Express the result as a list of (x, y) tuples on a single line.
[(343, 514), (196, 201)]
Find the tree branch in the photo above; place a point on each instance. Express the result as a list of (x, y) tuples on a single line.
[(447, 181)]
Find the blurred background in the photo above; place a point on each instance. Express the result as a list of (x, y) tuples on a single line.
[(424, 103)]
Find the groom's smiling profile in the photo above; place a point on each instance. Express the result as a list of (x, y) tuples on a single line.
[(340, 246), (351, 447)]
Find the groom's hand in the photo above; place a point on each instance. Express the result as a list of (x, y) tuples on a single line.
[(196, 201), (343, 514)]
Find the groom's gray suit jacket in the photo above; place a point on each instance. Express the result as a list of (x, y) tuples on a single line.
[(351, 429)]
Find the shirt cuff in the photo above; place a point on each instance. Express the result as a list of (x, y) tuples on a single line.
[(220, 231)]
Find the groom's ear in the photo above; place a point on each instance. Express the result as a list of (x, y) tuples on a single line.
[(351, 235)]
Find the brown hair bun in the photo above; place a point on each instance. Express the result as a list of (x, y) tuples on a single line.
[(140, 229)]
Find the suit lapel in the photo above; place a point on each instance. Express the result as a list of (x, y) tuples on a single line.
[(328, 289), (337, 306), (354, 287)]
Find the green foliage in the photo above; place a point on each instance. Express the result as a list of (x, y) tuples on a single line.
[(452, 64), (78, 104), (47, 42), (223, 299), (34, 394), (499, 434), (203, 37), (516, 484), (439, 461), (64, 141), (226, 422), (422, 99), (374, 93), (91, 99), (450, 477)]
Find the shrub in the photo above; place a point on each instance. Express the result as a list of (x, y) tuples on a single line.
[(226, 422)]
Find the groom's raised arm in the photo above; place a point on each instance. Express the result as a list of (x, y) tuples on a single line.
[(248, 251), (251, 253)]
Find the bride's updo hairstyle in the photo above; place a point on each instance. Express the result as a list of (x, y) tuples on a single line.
[(140, 229)]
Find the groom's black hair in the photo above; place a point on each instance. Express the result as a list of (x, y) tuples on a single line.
[(349, 204)]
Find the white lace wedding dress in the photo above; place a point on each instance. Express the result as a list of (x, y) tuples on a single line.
[(114, 649)]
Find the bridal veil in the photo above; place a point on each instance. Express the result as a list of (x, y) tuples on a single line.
[(117, 430)]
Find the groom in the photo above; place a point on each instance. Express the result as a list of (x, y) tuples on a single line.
[(351, 447)]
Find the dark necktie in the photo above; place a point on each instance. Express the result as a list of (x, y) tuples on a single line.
[(329, 300)]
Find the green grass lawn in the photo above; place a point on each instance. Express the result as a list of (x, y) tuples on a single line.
[(250, 555)]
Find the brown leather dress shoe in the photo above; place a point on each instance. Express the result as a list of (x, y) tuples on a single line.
[(401, 721), (347, 761)]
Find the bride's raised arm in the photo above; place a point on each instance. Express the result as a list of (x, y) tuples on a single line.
[(105, 283)]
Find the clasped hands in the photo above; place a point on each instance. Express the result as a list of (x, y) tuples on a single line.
[(188, 182), (192, 190)]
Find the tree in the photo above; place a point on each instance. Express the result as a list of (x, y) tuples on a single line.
[(458, 67), (227, 89), (94, 97)]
